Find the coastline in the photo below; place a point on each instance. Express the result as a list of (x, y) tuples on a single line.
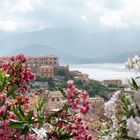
[(105, 71)]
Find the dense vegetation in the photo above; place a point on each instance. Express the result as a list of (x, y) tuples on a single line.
[(93, 87)]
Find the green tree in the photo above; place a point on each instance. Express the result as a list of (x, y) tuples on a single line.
[(51, 83)]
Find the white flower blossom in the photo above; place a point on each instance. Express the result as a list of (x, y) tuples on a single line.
[(137, 99), (133, 63), (108, 138), (110, 108), (116, 95), (129, 63), (113, 135), (133, 125), (116, 125), (122, 110), (42, 133), (7, 75)]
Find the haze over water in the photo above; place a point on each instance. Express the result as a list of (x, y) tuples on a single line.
[(105, 71)]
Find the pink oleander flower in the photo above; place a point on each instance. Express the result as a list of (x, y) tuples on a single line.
[(2, 96), (6, 66), (80, 130), (7, 103), (77, 100), (18, 66), (89, 137), (5, 133), (70, 83), (3, 110), (12, 115), (5, 123), (21, 58), (84, 110)]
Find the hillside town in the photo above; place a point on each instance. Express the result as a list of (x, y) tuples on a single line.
[(69, 69), (48, 67)]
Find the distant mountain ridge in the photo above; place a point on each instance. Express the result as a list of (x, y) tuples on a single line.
[(80, 46), (44, 50)]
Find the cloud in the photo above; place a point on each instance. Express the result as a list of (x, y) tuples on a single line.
[(112, 20), (84, 18), (117, 13), (91, 15), (14, 15)]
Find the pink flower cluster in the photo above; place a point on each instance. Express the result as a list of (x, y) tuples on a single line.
[(79, 103), (69, 121), (2, 97), (5, 133), (19, 58), (79, 129), (77, 100), (19, 72)]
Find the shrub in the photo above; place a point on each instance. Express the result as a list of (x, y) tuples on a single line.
[(21, 121), (123, 110)]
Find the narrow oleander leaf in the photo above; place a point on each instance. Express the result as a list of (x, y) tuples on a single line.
[(3, 83), (36, 121), (1, 76), (11, 91), (134, 84), (30, 115), (25, 130), (65, 107), (19, 115), (42, 102), (65, 136), (21, 111), (16, 126), (76, 95), (62, 92)]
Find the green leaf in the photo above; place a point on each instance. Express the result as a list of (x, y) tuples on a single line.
[(62, 91), (11, 91), (25, 130), (29, 116), (134, 84), (125, 103), (4, 83), (1, 76), (76, 95), (36, 121), (21, 111), (19, 115), (15, 126), (65, 107), (105, 132), (64, 136), (40, 104)]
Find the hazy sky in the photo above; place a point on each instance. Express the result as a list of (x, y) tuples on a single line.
[(89, 15)]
